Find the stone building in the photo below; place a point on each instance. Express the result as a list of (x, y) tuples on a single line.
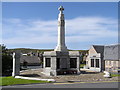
[(103, 58), (61, 61), (94, 60), (31, 59), (112, 58)]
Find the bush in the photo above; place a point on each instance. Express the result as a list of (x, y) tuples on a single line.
[(6, 61)]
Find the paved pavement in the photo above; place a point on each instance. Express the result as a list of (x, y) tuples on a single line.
[(69, 85)]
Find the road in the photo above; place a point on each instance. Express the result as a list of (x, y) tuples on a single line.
[(68, 85)]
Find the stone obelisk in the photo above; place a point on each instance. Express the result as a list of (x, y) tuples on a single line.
[(61, 32)]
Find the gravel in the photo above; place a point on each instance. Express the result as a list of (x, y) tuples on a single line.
[(87, 76)]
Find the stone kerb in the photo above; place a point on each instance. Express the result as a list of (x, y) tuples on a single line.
[(29, 78)]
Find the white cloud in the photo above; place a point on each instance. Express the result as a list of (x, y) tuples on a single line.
[(92, 26), (80, 29), (32, 40)]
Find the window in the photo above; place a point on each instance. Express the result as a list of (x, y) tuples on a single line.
[(58, 63), (110, 69), (114, 63), (73, 62), (94, 56), (47, 62), (109, 62), (25, 63), (92, 62), (107, 69), (97, 63)]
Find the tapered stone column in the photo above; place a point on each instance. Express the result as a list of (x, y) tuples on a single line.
[(61, 32)]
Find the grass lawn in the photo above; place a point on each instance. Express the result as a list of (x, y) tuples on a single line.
[(81, 65), (4, 81), (115, 75)]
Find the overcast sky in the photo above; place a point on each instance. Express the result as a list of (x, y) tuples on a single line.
[(34, 25)]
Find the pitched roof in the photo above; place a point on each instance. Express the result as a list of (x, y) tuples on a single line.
[(99, 48), (29, 59), (112, 52)]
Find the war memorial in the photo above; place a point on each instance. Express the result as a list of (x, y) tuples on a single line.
[(61, 61)]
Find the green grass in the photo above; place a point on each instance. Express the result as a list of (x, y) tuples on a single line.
[(115, 75), (82, 65), (4, 81)]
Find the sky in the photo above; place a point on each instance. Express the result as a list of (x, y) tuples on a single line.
[(34, 24)]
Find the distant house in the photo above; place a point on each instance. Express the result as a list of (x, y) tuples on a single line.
[(31, 59), (103, 58), (112, 58), (94, 60)]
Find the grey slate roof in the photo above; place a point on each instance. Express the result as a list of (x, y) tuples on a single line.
[(99, 48), (112, 52), (30, 59)]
